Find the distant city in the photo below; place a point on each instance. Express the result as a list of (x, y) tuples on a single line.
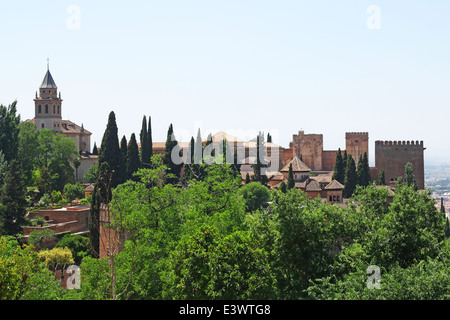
[(437, 177)]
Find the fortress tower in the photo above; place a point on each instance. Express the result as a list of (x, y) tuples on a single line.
[(356, 143), (309, 147), (392, 156)]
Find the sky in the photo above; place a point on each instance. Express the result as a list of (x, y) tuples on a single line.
[(242, 66)]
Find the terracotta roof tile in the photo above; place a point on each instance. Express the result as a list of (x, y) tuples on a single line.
[(297, 166), (334, 185)]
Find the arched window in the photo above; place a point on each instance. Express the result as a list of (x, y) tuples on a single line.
[(54, 109), (39, 108), (42, 125), (58, 109), (46, 108)]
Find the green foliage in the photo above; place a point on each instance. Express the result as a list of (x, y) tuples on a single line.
[(40, 238), (363, 171), (173, 168), (12, 200), (290, 181), (91, 174), (381, 180), (9, 131), (410, 179), (254, 194), (208, 266), (23, 276), (350, 178), (261, 162), (56, 258), (339, 168), (73, 191), (95, 149), (145, 146), (77, 244), (133, 161), (110, 151)]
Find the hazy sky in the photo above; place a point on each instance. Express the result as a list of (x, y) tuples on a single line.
[(322, 66)]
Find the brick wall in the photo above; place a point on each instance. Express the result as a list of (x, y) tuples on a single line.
[(392, 156)]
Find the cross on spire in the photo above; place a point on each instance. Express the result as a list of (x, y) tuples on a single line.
[(48, 63)]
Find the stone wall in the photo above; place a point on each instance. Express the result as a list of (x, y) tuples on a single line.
[(392, 156)]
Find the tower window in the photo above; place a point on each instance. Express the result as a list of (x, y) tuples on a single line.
[(42, 125), (54, 109), (58, 110), (46, 108), (39, 108)]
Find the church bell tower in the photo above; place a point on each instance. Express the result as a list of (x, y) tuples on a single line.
[(48, 105)]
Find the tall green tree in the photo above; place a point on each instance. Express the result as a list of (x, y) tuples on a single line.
[(410, 179), (28, 149), (145, 152), (174, 169), (62, 160), (110, 151), (188, 166), (3, 167), (339, 168), (150, 138), (12, 200), (133, 162), (350, 177), (344, 160), (9, 131), (381, 180), (95, 149), (123, 158), (291, 180), (259, 174)]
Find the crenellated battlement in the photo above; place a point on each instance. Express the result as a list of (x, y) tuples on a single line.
[(399, 143), (359, 134)]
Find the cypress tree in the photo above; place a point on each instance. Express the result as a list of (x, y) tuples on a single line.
[(381, 181), (102, 194), (189, 163), (110, 151), (344, 161), (95, 149), (12, 200), (360, 171), (442, 207), (447, 229), (9, 131), (410, 179), (291, 181), (366, 176), (133, 162), (123, 159), (197, 168), (260, 161), (150, 138), (173, 168), (247, 178), (350, 177), (145, 154), (339, 168), (283, 187)]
